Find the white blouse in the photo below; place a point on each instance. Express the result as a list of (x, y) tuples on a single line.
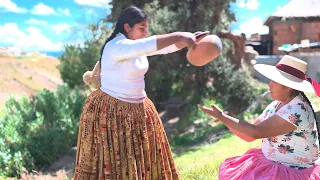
[(123, 66)]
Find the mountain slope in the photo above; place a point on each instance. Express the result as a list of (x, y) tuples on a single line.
[(21, 76)]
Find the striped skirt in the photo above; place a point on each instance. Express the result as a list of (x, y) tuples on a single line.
[(121, 140)]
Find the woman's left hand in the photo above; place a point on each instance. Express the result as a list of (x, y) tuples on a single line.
[(213, 111), (181, 45), (198, 32)]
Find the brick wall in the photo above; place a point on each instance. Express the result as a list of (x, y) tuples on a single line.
[(293, 31), (311, 30)]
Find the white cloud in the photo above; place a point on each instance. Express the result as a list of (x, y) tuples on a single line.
[(10, 6), (33, 40), (36, 22), (255, 25), (60, 28), (241, 3), (278, 8), (249, 4), (65, 12), (95, 3), (44, 10)]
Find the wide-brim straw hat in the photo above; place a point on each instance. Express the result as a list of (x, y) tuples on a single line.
[(290, 72)]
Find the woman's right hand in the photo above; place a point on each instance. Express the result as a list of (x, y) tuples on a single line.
[(187, 38)]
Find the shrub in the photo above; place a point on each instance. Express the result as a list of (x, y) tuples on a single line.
[(36, 131), (233, 88)]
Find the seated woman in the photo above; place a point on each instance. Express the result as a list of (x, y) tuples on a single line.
[(287, 127)]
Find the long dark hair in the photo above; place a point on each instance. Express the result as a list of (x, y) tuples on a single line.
[(131, 16), (314, 114)]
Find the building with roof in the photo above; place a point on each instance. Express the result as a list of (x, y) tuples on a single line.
[(295, 27), (10, 51), (3, 51)]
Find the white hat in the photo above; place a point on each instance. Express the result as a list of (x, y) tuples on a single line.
[(290, 72)]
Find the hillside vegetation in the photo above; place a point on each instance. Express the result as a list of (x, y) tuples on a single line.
[(27, 75)]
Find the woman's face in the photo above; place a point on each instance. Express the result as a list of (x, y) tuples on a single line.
[(278, 91), (138, 31)]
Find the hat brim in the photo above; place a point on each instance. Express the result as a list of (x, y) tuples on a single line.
[(284, 78)]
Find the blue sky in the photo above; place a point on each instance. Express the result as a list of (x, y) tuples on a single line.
[(46, 25), (251, 14)]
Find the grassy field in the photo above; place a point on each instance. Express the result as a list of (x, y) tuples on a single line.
[(27, 75), (13, 73), (203, 164)]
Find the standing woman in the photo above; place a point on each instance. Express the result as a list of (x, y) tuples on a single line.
[(121, 135)]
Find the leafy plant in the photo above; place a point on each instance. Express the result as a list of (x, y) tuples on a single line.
[(36, 131)]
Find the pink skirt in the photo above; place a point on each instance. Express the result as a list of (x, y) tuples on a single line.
[(254, 166)]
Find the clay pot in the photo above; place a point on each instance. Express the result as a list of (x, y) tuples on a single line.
[(205, 51)]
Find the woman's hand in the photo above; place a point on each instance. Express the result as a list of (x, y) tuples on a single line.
[(181, 45), (187, 38), (202, 36), (214, 111)]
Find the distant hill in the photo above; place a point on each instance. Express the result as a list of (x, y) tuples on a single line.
[(27, 75)]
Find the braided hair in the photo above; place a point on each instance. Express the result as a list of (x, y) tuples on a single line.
[(130, 16), (314, 114)]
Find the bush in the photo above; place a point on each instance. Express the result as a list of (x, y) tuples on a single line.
[(36, 131), (233, 88), (76, 59)]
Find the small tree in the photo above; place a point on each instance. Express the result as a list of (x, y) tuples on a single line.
[(35, 132), (76, 60)]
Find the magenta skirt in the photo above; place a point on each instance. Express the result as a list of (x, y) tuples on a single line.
[(253, 165)]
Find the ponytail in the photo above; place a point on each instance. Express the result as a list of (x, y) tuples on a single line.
[(314, 114)]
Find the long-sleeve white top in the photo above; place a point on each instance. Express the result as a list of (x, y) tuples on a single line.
[(123, 66)]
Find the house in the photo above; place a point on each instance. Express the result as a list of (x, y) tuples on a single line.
[(11, 51), (295, 30), (17, 52), (27, 54), (14, 51), (295, 27), (3, 51), (261, 43)]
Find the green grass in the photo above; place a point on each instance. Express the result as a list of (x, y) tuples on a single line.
[(2, 112), (204, 162), (10, 72), (193, 138), (27, 57), (315, 100), (27, 81)]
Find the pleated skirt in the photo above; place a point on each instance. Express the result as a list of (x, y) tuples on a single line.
[(253, 165), (121, 140)]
